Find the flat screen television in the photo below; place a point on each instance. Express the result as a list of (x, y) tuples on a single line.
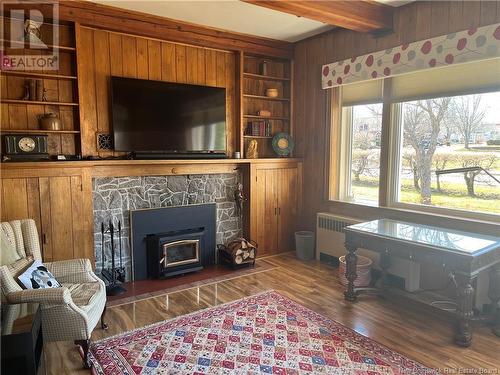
[(169, 118)]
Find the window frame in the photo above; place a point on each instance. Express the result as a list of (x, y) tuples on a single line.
[(391, 138), (394, 188), (345, 157)]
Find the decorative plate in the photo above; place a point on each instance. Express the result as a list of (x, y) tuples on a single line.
[(283, 144)]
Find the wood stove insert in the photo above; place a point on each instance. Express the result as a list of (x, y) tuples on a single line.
[(172, 240), (175, 253)]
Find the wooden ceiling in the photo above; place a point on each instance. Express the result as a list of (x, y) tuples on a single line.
[(362, 15)]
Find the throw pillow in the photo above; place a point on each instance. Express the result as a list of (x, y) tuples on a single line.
[(38, 277)]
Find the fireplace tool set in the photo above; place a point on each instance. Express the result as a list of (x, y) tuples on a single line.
[(114, 275)]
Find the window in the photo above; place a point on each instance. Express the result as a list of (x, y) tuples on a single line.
[(442, 146), (363, 127), (450, 152), (360, 135)]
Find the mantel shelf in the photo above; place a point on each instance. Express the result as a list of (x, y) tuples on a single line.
[(267, 117), (39, 131), (260, 97), (37, 75), (35, 102), (111, 166), (264, 78)]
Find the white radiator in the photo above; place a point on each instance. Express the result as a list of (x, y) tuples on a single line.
[(330, 240), (330, 234)]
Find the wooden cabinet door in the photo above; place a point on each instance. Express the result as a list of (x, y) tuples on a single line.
[(65, 226), (61, 207), (275, 196), (20, 199), (265, 229), (288, 198)]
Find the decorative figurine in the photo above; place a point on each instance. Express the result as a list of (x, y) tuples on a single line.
[(32, 31), (44, 95), (239, 198), (252, 152)]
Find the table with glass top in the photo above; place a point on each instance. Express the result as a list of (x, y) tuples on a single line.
[(465, 254)]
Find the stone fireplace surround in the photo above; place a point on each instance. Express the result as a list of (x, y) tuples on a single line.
[(115, 197)]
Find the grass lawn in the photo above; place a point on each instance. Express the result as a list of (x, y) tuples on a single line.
[(453, 195)]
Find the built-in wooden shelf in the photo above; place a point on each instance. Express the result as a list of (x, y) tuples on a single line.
[(40, 131), (36, 46), (35, 102), (257, 136), (260, 97), (63, 82), (267, 117), (279, 75), (37, 75), (264, 78)]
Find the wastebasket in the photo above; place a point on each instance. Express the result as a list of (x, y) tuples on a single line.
[(304, 245)]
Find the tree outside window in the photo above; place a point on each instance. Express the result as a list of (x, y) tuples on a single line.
[(450, 153)]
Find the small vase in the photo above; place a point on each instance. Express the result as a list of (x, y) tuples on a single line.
[(263, 68), (50, 121), (272, 93)]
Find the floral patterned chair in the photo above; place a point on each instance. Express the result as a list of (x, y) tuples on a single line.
[(70, 312)]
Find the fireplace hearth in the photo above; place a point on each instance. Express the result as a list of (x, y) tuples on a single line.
[(172, 240)]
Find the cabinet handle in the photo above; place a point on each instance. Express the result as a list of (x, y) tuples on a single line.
[(279, 210), (44, 239), (275, 211)]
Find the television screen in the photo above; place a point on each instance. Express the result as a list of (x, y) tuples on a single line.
[(154, 116)]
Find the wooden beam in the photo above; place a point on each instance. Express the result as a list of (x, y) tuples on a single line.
[(131, 22), (364, 16)]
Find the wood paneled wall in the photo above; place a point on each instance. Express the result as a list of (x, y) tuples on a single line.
[(102, 54), (412, 22)]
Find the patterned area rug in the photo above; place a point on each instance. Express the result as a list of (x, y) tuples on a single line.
[(266, 333)]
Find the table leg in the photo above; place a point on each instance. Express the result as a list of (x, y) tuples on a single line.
[(351, 260), (494, 295), (465, 300)]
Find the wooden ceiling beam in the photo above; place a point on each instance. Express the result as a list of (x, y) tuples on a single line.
[(360, 15)]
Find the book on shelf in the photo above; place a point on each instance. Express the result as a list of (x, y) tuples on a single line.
[(259, 129)]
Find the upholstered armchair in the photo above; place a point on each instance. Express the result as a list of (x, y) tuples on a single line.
[(70, 312)]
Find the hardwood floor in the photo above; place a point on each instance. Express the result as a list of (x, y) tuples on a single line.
[(418, 335)]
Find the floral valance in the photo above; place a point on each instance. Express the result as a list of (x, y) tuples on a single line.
[(455, 48)]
